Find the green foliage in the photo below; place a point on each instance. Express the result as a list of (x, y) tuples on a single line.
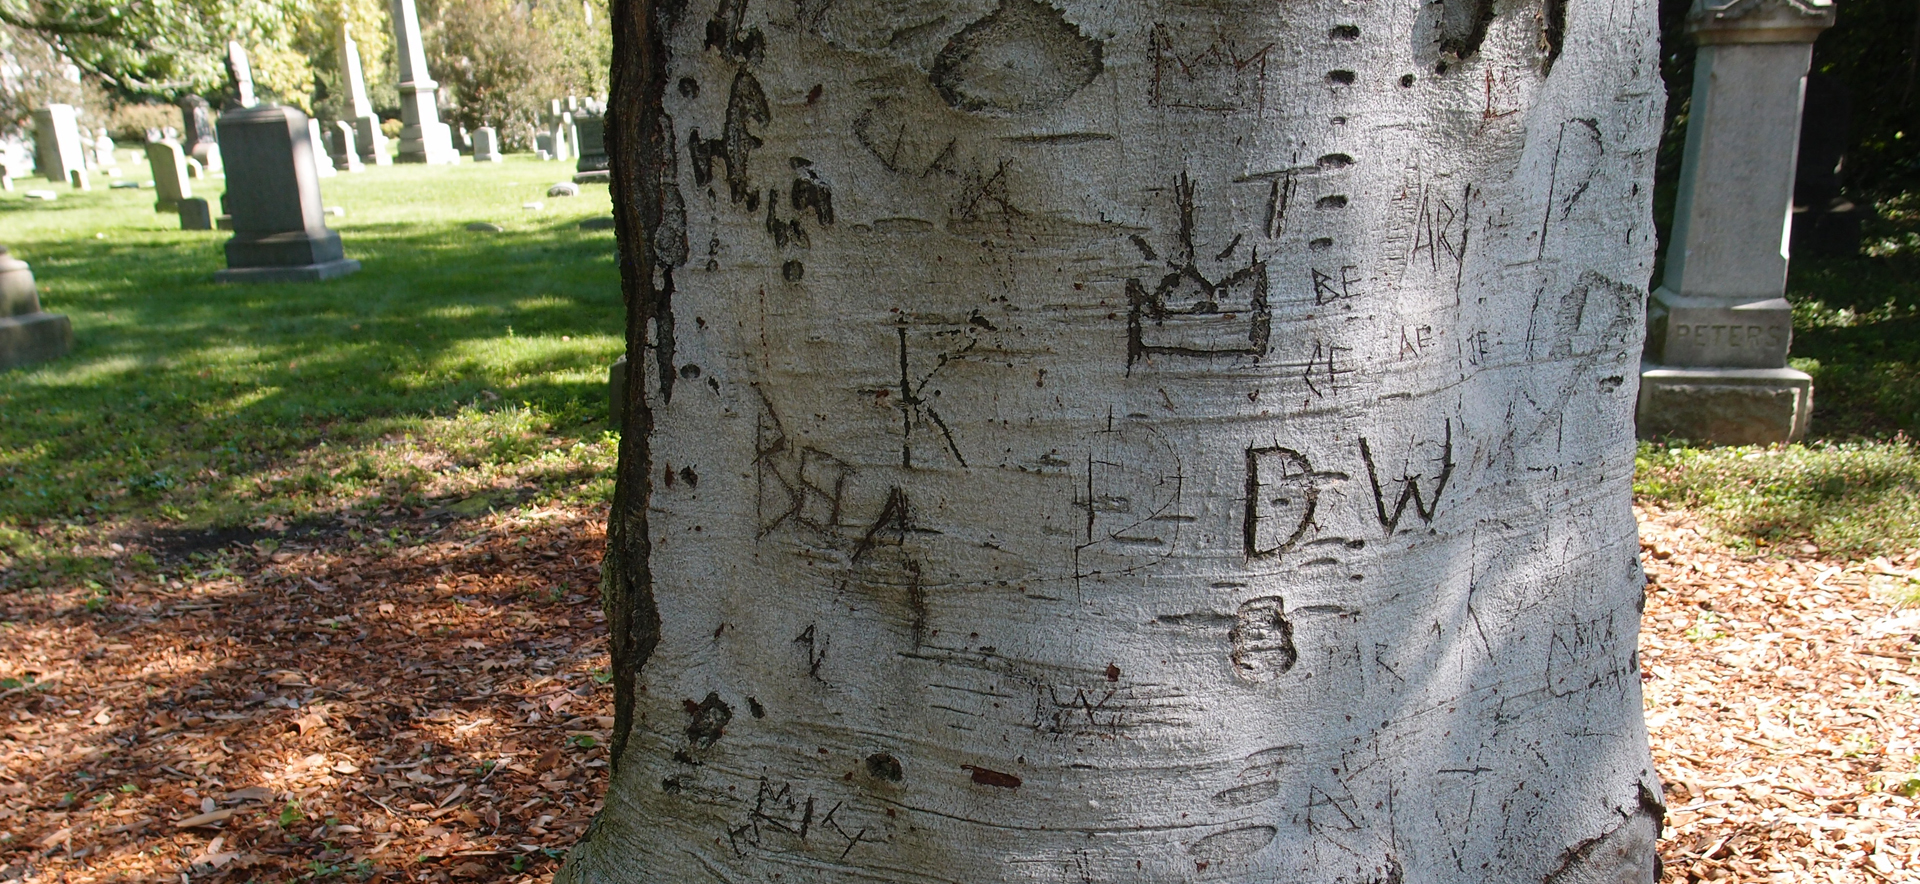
[(1857, 331), (172, 48), (191, 404), (504, 61), (1851, 499), (40, 78), (1873, 48)]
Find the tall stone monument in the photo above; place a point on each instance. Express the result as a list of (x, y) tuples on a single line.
[(240, 71), (1719, 325), (56, 138), (27, 333), (273, 195), (425, 139), (366, 125)]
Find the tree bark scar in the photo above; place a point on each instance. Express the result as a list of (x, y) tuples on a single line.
[(987, 777), (1553, 33), (1463, 26), (640, 149)]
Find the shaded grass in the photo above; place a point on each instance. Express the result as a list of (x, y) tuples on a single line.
[(453, 364), (1857, 330)]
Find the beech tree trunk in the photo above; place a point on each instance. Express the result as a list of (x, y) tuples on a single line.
[(1076, 441)]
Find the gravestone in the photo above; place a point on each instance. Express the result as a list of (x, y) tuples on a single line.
[(591, 168), (1718, 326), (273, 195), (196, 214), (240, 71), (56, 136), (486, 146), (345, 157), (27, 333), (559, 148), (78, 179), (168, 162), (543, 144), (103, 148), (196, 126), (367, 137), (371, 141), (424, 139), (322, 162)]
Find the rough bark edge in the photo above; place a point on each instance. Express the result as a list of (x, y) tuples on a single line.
[(637, 146)]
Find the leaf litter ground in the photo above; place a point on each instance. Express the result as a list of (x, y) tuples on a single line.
[(436, 710)]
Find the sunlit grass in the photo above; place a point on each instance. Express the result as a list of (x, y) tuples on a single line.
[(454, 365), (1845, 499)]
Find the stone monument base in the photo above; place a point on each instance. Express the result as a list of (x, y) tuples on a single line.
[(1725, 406), (34, 337), (298, 273), (598, 176), (289, 249)]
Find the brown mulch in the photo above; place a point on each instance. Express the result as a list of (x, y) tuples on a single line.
[(1781, 696), (347, 707), (335, 708)]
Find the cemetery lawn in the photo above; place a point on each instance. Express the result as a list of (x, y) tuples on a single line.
[(456, 371)]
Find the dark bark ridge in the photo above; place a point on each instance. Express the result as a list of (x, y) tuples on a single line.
[(645, 210)]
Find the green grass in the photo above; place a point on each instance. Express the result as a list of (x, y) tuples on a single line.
[(455, 364)]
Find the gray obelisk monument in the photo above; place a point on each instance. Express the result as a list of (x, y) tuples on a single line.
[(425, 139), (1719, 325), (241, 71), (371, 142)]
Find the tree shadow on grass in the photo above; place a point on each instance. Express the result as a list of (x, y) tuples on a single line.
[(1857, 331)]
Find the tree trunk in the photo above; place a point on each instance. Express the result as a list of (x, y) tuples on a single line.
[(1077, 441)]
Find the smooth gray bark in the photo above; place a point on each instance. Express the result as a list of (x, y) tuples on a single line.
[(1129, 442)]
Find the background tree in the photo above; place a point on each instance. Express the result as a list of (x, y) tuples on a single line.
[(33, 74), (1075, 441), (503, 61), (170, 49)]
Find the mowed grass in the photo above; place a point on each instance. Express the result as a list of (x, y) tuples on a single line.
[(1850, 499), (456, 368)]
